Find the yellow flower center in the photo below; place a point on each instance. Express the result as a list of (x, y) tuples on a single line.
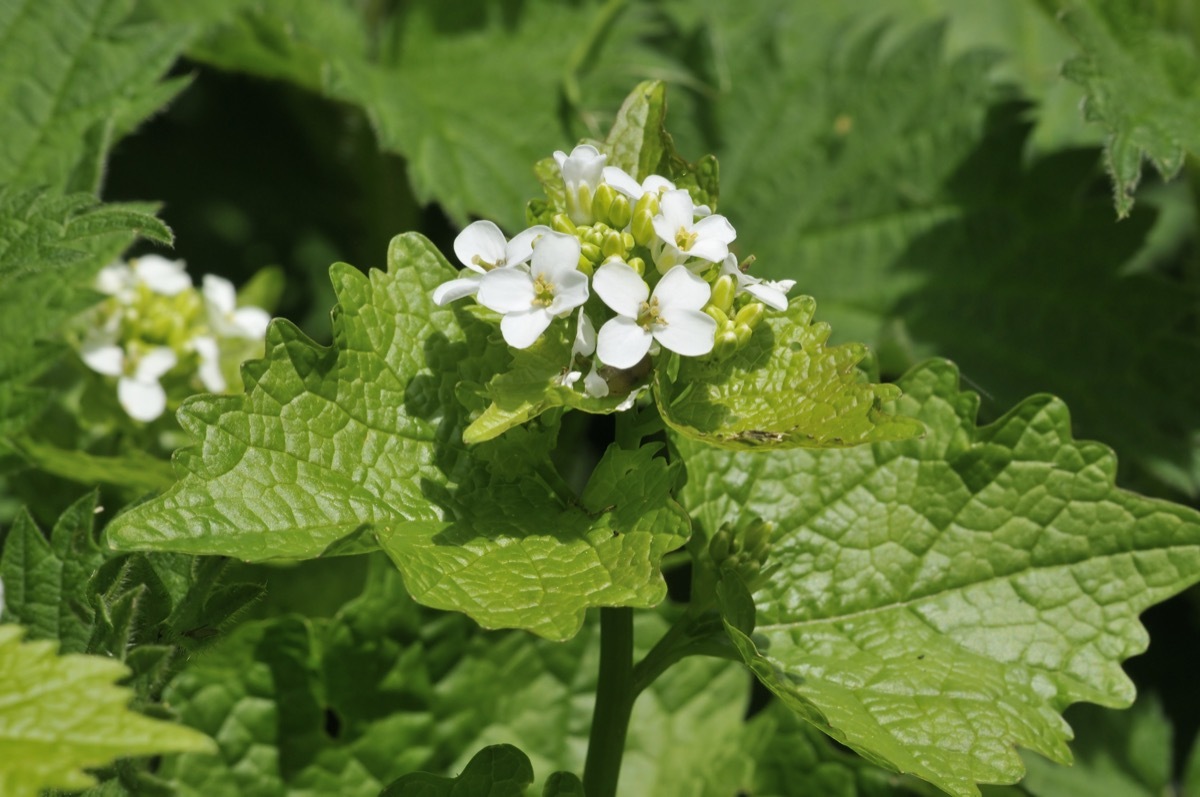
[(685, 239), (543, 292), (649, 314)]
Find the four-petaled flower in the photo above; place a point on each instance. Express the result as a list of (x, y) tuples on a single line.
[(552, 287), (681, 237), (772, 293), (481, 247), (671, 315), (582, 173)]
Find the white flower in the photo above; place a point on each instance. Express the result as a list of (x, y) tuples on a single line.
[(582, 173), (624, 183), (161, 276), (772, 293), (226, 318), (209, 351), (594, 385), (139, 391), (682, 237), (670, 316), (481, 247), (553, 286)]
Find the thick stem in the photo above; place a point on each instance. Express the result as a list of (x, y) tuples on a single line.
[(614, 703)]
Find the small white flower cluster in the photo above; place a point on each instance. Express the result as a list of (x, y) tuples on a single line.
[(697, 300), (154, 322)]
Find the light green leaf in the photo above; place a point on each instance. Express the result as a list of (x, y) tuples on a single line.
[(497, 771), (1117, 754), (512, 559), (635, 142), (74, 78), (364, 441), (136, 470), (783, 389), (60, 715), (969, 585), (1142, 77)]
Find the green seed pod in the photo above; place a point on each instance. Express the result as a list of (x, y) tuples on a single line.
[(592, 252), (743, 334), (613, 246), (642, 227), (620, 212), (751, 314), (725, 344), (602, 201), (718, 546), (722, 292), (562, 223), (638, 265), (716, 314)]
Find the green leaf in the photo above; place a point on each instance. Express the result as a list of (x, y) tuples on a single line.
[(1142, 77), (783, 389), (563, 784), (74, 78), (1117, 754), (60, 715), (635, 142), (136, 470), (969, 585), (512, 560), (497, 771)]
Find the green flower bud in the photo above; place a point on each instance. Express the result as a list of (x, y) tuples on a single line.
[(602, 201), (562, 223), (585, 265), (538, 211), (627, 241), (613, 246), (638, 265), (725, 344), (592, 252), (642, 227), (751, 314), (718, 546), (743, 334), (619, 213), (716, 314), (583, 200), (593, 235), (758, 538), (722, 292), (648, 203)]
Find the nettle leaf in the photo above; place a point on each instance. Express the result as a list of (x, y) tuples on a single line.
[(783, 389), (497, 771), (361, 444), (74, 78), (968, 586), (62, 714), (1142, 77)]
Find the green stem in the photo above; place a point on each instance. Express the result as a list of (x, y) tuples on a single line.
[(688, 637), (614, 703)]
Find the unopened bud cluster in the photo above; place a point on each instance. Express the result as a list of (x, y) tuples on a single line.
[(744, 551), (639, 262)]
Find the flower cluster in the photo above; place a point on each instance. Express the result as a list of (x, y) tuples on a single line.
[(154, 324), (589, 262)]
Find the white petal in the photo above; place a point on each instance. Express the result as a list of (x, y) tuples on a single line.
[(709, 250), (595, 385), (768, 294), (556, 254), (144, 401), (631, 399), (568, 378), (680, 288), (520, 248), (664, 230), (506, 290), (717, 228), (219, 293), (688, 332), (114, 278), (571, 290), (585, 165), (252, 322), (210, 363), (520, 330), (166, 277), (620, 180), (585, 335), (560, 158), (456, 289), (622, 343), (481, 239), (103, 357), (154, 363), (675, 207), (620, 287), (656, 183)]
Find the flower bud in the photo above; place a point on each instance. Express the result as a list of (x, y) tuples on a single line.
[(613, 246), (743, 334), (585, 265), (722, 292), (758, 538), (638, 265), (592, 252), (647, 203), (642, 226), (726, 343), (619, 213), (716, 314), (602, 201), (627, 240), (562, 223), (751, 314), (593, 235), (718, 546)]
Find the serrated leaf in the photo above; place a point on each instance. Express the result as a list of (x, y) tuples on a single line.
[(60, 715), (514, 561), (783, 389), (75, 76), (969, 585), (497, 771), (363, 441), (1142, 77)]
